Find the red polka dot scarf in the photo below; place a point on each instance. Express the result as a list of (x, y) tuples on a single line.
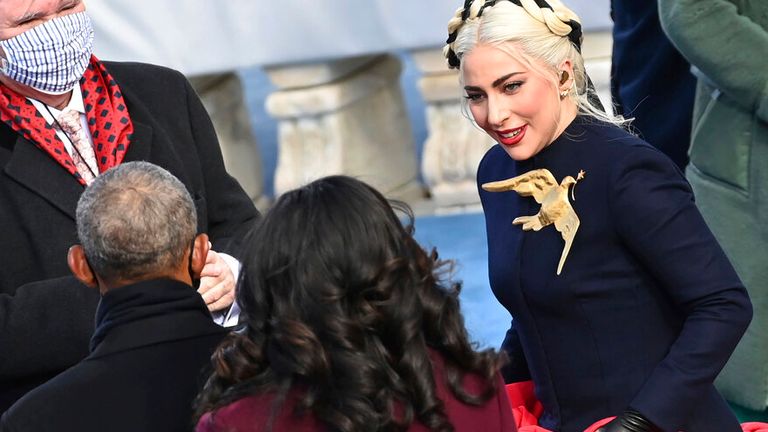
[(108, 120)]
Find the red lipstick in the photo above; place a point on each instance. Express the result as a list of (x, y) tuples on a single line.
[(511, 137)]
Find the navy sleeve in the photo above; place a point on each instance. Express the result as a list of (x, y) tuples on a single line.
[(46, 325), (230, 212), (516, 369), (653, 208)]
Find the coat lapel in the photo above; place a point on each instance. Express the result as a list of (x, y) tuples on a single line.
[(41, 174), (141, 142), (151, 144)]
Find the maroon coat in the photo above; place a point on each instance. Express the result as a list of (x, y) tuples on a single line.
[(252, 414)]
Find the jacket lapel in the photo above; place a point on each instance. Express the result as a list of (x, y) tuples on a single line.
[(41, 174), (140, 146), (141, 141), (150, 143)]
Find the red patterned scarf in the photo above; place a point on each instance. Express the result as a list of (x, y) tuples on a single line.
[(108, 120)]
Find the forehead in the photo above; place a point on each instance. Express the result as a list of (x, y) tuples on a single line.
[(13, 9), (487, 62)]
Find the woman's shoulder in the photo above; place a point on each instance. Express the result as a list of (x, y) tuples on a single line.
[(615, 150), (472, 382), (584, 137), (604, 137), (254, 413), (495, 414), (495, 164)]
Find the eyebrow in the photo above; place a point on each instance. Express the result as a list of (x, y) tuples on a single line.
[(30, 16), (499, 81)]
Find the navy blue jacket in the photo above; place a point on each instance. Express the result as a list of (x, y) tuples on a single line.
[(647, 309), (149, 357), (650, 79)]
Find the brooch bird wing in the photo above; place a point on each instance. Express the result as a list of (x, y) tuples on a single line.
[(535, 183), (568, 223), (553, 197)]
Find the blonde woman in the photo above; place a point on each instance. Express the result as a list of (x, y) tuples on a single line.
[(623, 303)]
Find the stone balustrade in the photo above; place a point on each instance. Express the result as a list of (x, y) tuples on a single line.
[(338, 103), (348, 117), (344, 117)]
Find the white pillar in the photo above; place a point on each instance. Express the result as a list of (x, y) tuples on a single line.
[(344, 117), (597, 61), (454, 146), (222, 96)]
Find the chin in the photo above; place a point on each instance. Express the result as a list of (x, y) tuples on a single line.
[(519, 153)]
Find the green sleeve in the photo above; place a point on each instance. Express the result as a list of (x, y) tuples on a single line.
[(728, 48)]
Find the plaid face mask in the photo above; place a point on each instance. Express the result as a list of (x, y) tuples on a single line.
[(52, 56)]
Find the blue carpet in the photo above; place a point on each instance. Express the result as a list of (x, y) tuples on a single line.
[(462, 238)]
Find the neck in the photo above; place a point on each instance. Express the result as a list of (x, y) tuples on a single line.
[(567, 114), (56, 101), (110, 284)]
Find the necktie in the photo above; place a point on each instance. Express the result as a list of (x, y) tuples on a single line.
[(82, 153)]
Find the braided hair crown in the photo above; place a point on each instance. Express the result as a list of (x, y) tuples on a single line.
[(560, 20)]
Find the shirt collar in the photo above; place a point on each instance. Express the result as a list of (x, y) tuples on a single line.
[(75, 103)]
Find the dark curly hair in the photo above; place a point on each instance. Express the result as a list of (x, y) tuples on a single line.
[(340, 301)]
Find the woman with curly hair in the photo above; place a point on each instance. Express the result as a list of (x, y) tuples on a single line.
[(348, 327)]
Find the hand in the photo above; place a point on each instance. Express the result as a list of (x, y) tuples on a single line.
[(217, 283), (630, 421)]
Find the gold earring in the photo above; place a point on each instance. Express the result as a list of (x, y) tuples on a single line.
[(564, 79)]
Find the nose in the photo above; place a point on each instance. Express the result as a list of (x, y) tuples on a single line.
[(498, 112)]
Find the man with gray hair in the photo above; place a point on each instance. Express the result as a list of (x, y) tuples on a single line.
[(67, 117), (154, 334)]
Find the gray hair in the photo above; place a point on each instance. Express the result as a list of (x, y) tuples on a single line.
[(135, 220)]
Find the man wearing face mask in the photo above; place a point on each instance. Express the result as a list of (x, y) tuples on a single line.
[(65, 118), (154, 334)]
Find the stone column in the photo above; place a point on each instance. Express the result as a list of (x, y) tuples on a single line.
[(455, 145), (597, 61), (344, 117), (222, 96)]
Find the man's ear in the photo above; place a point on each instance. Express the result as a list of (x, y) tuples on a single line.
[(200, 248), (79, 266)]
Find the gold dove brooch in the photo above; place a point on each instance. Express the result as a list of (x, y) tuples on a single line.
[(553, 197)]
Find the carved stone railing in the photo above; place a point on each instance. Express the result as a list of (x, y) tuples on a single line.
[(338, 102), (347, 117)]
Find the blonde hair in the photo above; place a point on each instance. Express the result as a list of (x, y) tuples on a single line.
[(540, 35)]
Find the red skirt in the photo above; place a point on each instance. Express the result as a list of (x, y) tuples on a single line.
[(527, 410)]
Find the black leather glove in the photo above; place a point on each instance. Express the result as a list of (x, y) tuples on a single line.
[(630, 421)]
